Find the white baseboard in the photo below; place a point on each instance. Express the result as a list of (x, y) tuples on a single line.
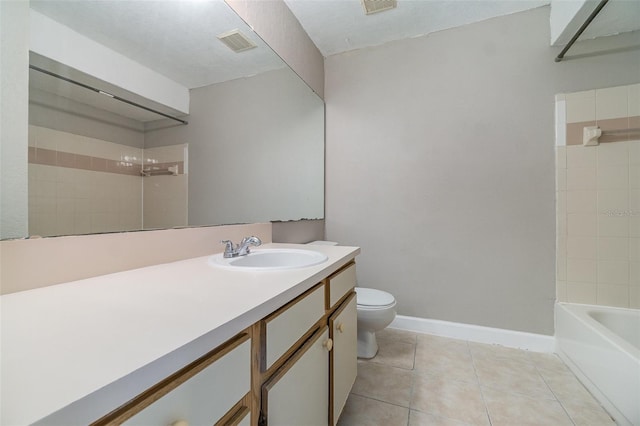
[(476, 333)]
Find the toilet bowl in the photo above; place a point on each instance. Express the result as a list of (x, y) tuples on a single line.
[(376, 310)]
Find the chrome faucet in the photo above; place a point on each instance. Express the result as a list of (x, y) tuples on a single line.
[(241, 249)]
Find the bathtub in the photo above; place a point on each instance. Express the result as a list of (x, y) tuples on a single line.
[(601, 345)]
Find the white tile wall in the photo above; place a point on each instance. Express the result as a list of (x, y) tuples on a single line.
[(64, 201), (598, 203), (634, 99), (581, 106), (165, 197), (165, 154), (612, 102)]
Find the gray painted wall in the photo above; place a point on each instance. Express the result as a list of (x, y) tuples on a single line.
[(14, 89), (297, 231), (255, 150), (440, 165)]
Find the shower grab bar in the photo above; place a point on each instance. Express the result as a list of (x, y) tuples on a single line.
[(171, 171), (617, 131)]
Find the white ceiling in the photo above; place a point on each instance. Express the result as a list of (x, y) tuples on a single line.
[(337, 26)]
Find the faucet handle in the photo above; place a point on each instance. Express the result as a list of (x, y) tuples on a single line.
[(228, 249)]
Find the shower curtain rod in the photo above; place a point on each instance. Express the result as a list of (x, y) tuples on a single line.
[(102, 92), (581, 29)]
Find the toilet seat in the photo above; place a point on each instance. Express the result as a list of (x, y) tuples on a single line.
[(372, 299)]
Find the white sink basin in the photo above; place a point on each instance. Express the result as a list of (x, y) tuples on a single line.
[(270, 260)]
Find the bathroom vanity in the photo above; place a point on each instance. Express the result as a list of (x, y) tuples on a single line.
[(184, 343)]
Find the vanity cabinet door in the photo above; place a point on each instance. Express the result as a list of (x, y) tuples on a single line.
[(289, 324), (344, 356), (202, 397), (340, 284), (297, 394)]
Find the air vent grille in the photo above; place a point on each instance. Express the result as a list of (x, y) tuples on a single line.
[(375, 6), (236, 41)]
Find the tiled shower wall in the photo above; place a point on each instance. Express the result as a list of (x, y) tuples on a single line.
[(598, 198), (83, 185), (165, 197)]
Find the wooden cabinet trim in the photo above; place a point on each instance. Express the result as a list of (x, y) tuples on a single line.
[(339, 271), (154, 393), (237, 413)]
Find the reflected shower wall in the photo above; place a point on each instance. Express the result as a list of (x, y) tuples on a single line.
[(165, 187), (83, 185)]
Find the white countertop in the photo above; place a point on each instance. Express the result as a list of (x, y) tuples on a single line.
[(87, 346)]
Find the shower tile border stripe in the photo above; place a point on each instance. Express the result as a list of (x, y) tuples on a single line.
[(574, 130), (49, 157)]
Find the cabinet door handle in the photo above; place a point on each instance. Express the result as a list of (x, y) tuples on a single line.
[(340, 327), (180, 423), (328, 344)]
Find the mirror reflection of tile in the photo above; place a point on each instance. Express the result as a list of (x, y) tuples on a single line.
[(81, 185)]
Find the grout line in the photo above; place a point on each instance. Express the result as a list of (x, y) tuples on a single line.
[(380, 400), (475, 371), (413, 377), (556, 397)]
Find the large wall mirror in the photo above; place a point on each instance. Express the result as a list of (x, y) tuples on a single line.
[(252, 151)]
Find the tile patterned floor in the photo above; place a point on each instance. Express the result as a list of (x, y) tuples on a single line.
[(419, 379)]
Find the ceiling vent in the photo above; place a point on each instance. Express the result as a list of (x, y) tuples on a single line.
[(236, 41), (375, 6)]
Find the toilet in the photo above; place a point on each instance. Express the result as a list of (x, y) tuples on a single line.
[(376, 310)]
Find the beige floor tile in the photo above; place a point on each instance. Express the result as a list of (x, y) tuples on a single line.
[(384, 383), (485, 351), (395, 353), (396, 335), (458, 383), (566, 387), (548, 362), (361, 411), (451, 399), (443, 343), (450, 361), (587, 413), (509, 409), (417, 418), (513, 376)]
